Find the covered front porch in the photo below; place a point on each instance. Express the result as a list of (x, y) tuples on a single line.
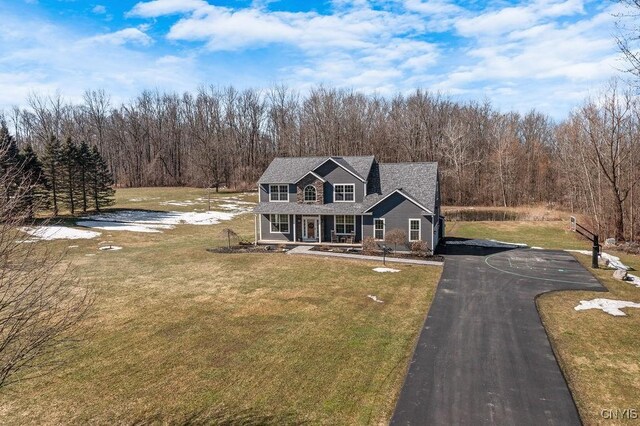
[(310, 229)]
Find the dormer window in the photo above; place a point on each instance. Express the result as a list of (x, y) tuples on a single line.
[(344, 192), (278, 192), (310, 193)]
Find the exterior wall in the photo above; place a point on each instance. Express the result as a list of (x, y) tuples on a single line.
[(317, 184), (276, 236), (336, 174), (396, 211), (367, 226), (264, 193)]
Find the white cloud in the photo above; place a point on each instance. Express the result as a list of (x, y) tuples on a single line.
[(99, 9), (156, 8), (127, 35)]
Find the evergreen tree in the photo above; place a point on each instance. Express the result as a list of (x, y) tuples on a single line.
[(9, 161), (86, 167), (102, 191), (37, 193), (51, 165), (69, 185)]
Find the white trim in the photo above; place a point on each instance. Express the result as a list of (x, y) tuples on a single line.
[(361, 228), (260, 225), (405, 196), (432, 247), (304, 193), (255, 229), (345, 185), (384, 228), (355, 227), (294, 227), (319, 228), (271, 231), (278, 184), (341, 166), (316, 220), (313, 173), (365, 188), (419, 229)]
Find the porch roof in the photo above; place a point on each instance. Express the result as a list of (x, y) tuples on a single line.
[(310, 209)]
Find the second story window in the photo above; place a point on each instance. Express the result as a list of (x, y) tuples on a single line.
[(310, 193), (344, 192), (278, 192)]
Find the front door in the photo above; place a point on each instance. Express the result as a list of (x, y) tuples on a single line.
[(310, 228)]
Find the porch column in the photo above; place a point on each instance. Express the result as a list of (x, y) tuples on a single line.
[(319, 229), (295, 225), (255, 229)]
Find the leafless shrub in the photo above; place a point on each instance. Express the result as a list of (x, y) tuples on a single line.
[(419, 246), (369, 245), (395, 237), (229, 233), (41, 304)]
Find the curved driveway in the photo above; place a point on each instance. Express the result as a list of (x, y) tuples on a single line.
[(483, 356)]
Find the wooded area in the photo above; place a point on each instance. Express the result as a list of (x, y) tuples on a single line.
[(225, 136)]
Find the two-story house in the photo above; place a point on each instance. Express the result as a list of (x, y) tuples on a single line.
[(342, 200)]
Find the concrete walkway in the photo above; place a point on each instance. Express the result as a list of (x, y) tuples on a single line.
[(307, 250)]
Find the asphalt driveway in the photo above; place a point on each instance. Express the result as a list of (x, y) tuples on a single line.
[(483, 356)]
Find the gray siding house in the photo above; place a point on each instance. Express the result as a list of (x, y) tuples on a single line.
[(342, 200)]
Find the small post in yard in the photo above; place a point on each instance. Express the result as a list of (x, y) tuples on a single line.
[(595, 252), (384, 254), (209, 197)]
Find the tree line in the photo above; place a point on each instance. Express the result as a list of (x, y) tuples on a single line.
[(71, 176), (225, 136)]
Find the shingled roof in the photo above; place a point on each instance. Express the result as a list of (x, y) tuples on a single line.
[(417, 180), (291, 169)]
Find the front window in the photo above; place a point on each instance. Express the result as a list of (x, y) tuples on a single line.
[(414, 229), (345, 224), (310, 193), (278, 192), (280, 223), (344, 192), (378, 229)]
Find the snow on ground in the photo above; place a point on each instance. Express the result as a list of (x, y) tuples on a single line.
[(54, 232), (612, 307), (386, 270), (537, 248), (110, 248), (153, 221), (123, 226), (184, 203), (614, 261), (486, 243), (374, 298), (633, 280)]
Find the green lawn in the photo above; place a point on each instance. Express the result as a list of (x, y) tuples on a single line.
[(178, 334), (546, 234), (599, 353)]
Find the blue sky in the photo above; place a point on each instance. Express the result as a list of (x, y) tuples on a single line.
[(542, 54)]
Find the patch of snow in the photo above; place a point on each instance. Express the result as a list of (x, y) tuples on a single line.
[(153, 221), (110, 248), (612, 307), (374, 298), (537, 248), (614, 261), (386, 270), (486, 243), (53, 232), (122, 226), (633, 280), (74, 246), (184, 203)]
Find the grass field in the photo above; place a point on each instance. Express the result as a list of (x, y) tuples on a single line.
[(178, 334), (599, 353)]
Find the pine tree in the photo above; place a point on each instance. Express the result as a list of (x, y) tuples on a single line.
[(37, 193), (69, 193), (86, 167), (102, 191), (9, 161), (51, 164)]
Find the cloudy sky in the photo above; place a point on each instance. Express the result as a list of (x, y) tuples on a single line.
[(543, 54)]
